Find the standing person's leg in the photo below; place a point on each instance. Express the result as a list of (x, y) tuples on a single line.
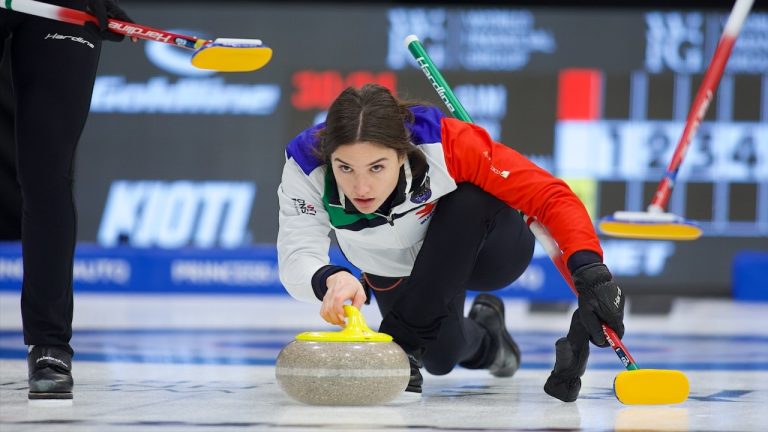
[(53, 67), (10, 195), (474, 241)]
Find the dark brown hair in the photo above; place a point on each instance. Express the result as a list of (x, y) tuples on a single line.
[(370, 114)]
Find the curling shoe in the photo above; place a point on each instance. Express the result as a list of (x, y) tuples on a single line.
[(488, 311), (416, 380), (50, 373)]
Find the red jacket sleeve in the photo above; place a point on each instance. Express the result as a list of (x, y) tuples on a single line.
[(472, 156)]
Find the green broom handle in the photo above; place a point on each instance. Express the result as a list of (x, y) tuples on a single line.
[(436, 79)]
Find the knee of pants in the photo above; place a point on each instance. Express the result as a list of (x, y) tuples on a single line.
[(439, 363), (458, 338)]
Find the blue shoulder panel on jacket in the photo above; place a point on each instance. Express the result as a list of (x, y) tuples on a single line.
[(301, 149), (426, 125)]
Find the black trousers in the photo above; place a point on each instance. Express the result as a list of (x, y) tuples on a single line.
[(53, 67), (474, 242)]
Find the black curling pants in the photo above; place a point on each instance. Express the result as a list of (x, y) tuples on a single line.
[(474, 242), (53, 67)]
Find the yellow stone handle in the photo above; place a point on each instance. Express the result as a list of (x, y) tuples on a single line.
[(356, 330), (355, 322)]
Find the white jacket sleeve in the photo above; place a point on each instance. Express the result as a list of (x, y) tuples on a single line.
[(303, 236)]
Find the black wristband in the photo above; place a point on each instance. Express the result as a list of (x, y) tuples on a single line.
[(320, 277), (581, 258)]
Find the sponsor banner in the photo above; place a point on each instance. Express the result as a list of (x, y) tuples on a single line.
[(140, 270), (247, 270), (177, 214)]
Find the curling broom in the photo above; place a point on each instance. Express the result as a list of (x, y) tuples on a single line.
[(655, 223), (221, 54), (633, 386)]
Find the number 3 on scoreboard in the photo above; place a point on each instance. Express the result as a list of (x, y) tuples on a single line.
[(720, 151)]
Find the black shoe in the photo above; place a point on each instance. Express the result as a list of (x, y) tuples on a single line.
[(488, 311), (50, 373), (414, 384), (564, 382)]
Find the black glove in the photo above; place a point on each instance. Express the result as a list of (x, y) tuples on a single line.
[(600, 299), (571, 354), (104, 9)]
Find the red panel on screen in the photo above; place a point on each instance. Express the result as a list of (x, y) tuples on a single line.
[(579, 94)]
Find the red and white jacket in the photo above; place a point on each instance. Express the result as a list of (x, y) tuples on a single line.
[(311, 204)]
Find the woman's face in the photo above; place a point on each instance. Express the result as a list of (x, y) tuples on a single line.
[(367, 173)]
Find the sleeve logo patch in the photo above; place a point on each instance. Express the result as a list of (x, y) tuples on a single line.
[(303, 207)]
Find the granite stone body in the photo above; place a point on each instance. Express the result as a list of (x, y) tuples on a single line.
[(342, 373)]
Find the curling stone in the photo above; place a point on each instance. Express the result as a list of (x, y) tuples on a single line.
[(354, 366)]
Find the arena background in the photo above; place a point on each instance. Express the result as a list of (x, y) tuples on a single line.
[(177, 168)]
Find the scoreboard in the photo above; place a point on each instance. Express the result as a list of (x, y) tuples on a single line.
[(728, 158)]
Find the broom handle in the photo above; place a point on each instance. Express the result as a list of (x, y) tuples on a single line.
[(78, 17), (701, 102)]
